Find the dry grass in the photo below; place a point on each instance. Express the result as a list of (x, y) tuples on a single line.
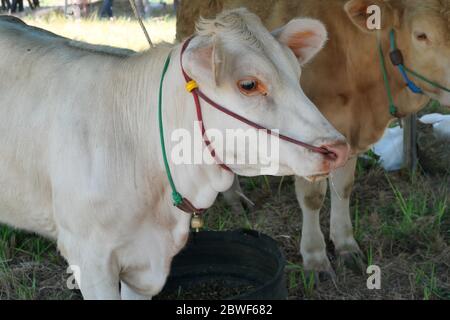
[(122, 32)]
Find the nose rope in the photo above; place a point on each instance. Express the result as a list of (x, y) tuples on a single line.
[(333, 186)]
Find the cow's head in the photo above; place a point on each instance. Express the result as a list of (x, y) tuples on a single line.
[(240, 65), (422, 29)]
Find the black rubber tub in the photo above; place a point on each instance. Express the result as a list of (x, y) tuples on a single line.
[(234, 265)]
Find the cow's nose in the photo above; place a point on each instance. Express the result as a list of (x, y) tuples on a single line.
[(339, 154)]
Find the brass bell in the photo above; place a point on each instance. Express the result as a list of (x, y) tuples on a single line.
[(197, 222)]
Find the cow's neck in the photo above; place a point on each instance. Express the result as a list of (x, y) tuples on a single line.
[(200, 183)]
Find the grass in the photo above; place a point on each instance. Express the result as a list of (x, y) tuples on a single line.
[(428, 282), (369, 256), (122, 32), (31, 268), (421, 213), (298, 278)]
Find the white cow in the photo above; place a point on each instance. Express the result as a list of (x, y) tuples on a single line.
[(80, 156)]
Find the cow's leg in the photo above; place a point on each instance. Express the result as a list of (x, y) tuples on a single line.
[(233, 197), (97, 283), (98, 274), (144, 283), (313, 248), (127, 293), (341, 230)]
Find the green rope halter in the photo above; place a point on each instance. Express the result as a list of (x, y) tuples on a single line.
[(393, 110), (176, 196), (404, 70)]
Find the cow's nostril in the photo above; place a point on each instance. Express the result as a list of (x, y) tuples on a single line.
[(338, 154), (330, 155)]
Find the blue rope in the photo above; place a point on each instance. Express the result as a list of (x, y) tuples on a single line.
[(411, 85)]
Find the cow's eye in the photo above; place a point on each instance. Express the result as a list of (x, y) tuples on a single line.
[(248, 85), (252, 86), (421, 36)]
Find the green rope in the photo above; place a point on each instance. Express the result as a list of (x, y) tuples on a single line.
[(392, 107), (423, 78), (176, 197)]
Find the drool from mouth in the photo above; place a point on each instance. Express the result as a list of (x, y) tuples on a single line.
[(318, 177)]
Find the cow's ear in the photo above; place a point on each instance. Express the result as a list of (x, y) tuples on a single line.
[(203, 60), (371, 15), (305, 37)]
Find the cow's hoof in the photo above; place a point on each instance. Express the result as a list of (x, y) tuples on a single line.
[(355, 261), (318, 277), (327, 275), (317, 266)]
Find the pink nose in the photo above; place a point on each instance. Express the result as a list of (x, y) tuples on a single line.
[(339, 154)]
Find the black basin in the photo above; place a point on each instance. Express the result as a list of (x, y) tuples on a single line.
[(245, 259)]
